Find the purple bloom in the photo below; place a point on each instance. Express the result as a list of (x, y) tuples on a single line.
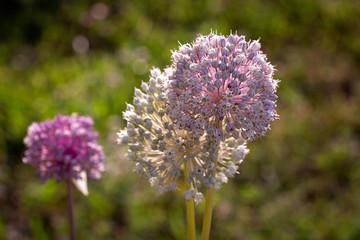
[(163, 153), (224, 86), (65, 147)]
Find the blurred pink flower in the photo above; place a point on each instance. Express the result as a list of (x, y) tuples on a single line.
[(65, 147)]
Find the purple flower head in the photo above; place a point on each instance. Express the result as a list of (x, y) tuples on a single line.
[(65, 147), (224, 86), (164, 153)]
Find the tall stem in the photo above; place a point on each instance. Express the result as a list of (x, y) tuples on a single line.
[(190, 215), (190, 211), (70, 208), (209, 202), (207, 214)]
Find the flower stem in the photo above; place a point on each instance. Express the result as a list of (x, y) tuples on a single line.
[(207, 214), (190, 215), (70, 208), (190, 211), (209, 202)]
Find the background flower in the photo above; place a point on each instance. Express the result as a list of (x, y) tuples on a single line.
[(64, 147)]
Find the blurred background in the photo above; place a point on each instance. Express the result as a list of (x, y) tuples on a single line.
[(302, 181)]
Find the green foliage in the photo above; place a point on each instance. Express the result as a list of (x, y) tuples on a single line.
[(300, 182)]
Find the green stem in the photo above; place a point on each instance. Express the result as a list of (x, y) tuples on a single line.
[(209, 203), (190, 211), (207, 214), (190, 215)]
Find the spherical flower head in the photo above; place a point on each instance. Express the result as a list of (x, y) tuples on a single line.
[(64, 147), (222, 85), (164, 154)]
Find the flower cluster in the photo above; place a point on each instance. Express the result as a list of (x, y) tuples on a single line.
[(222, 85), (65, 147), (163, 152)]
